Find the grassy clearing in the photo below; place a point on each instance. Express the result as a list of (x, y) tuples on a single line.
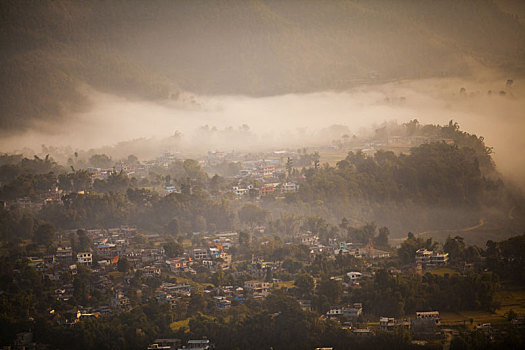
[(511, 298), (175, 326), (116, 275), (459, 318), (442, 271), (285, 284), (331, 156), (181, 279)]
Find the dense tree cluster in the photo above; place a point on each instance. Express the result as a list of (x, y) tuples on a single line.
[(506, 258), (435, 173), (194, 212), (440, 185), (397, 296)]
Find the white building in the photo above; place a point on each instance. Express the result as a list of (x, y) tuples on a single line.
[(354, 276), (423, 256), (387, 323), (428, 314), (428, 257), (352, 312), (289, 187), (85, 258), (240, 191)]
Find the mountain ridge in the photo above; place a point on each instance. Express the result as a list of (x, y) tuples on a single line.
[(155, 50)]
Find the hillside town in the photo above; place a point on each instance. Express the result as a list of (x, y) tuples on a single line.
[(176, 253), (120, 266)]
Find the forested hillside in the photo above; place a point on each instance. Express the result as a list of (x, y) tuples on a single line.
[(152, 49)]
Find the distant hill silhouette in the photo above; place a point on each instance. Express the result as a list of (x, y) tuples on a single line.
[(154, 49)]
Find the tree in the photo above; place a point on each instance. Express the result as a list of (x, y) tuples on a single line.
[(244, 238), (84, 243), (382, 238), (199, 224), (252, 215), (173, 249), (288, 223), (81, 285), (26, 226), (123, 264), (218, 279), (289, 166), (511, 315), (132, 159), (315, 224), (269, 275), (292, 265), (45, 233), (197, 303), (331, 289), (101, 161), (216, 183), (455, 247), (344, 224), (174, 227), (305, 285), (116, 182)]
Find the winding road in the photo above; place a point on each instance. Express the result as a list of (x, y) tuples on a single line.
[(466, 229)]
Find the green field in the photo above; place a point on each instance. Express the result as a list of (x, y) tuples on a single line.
[(511, 298)]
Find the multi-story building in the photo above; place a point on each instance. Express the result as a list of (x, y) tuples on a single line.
[(428, 314), (151, 271), (258, 288), (439, 259), (226, 262), (354, 276), (240, 191), (423, 256), (200, 344), (106, 251), (308, 239), (387, 323), (265, 170), (200, 253), (426, 257), (267, 189), (64, 255), (84, 258), (352, 312), (179, 264), (289, 187)]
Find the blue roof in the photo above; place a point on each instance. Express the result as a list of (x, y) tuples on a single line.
[(105, 245)]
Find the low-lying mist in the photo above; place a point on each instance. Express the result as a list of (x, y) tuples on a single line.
[(490, 107)]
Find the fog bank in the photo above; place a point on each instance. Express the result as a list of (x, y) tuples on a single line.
[(490, 107)]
